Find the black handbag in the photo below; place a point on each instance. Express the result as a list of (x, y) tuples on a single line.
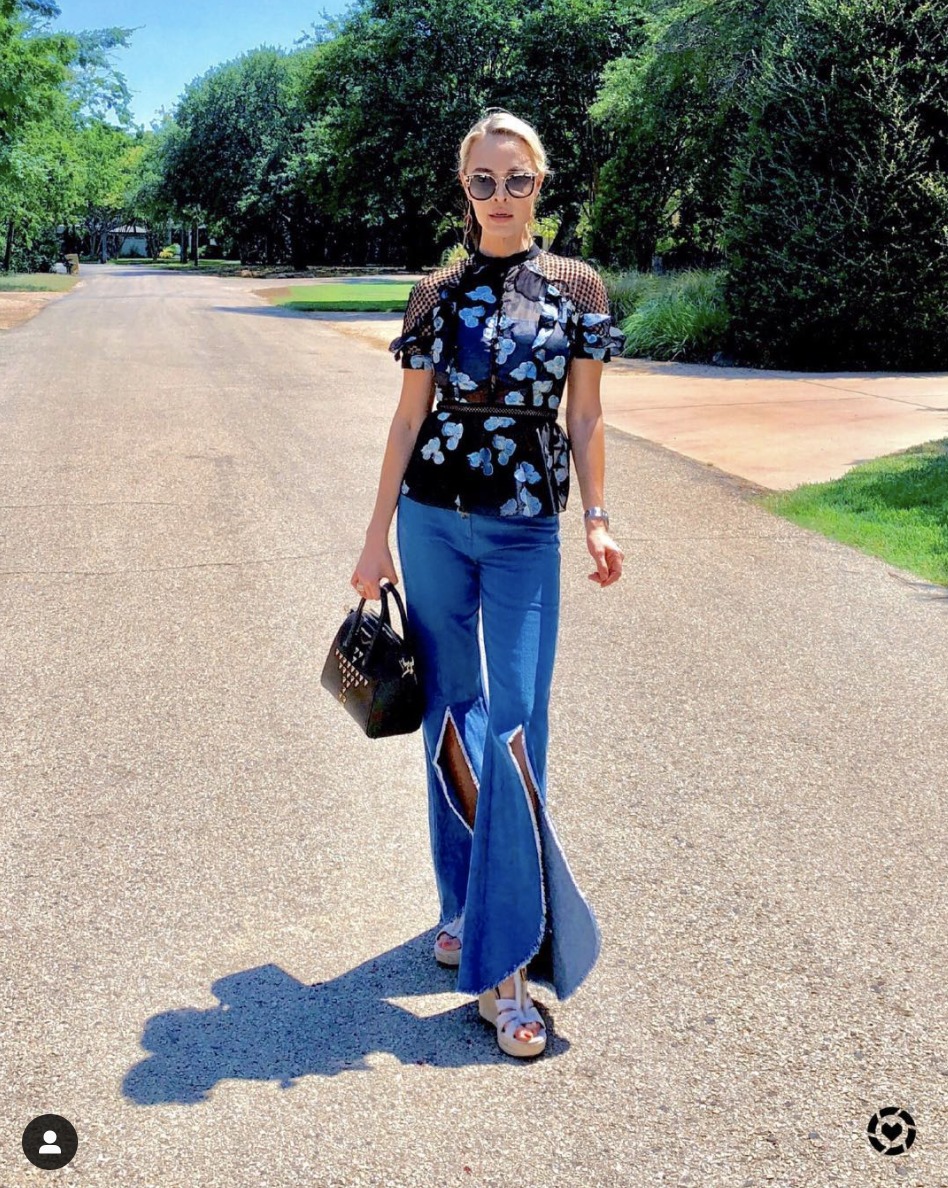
[(373, 671)]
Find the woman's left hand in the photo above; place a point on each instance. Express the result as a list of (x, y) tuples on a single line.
[(606, 553)]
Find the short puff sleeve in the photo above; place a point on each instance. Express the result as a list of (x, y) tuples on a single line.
[(418, 345), (593, 334)]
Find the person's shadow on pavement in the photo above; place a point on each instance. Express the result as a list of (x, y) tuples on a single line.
[(271, 1027)]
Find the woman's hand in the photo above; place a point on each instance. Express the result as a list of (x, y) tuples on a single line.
[(374, 564), (606, 553)]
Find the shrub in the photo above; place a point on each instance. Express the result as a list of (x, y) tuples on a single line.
[(680, 317), (837, 239)]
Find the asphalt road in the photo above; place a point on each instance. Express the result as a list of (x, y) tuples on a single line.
[(217, 897)]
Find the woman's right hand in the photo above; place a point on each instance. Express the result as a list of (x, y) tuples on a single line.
[(374, 564)]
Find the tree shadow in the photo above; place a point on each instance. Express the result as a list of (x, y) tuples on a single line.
[(271, 1027)]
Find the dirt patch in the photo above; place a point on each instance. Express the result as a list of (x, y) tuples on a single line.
[(19, 307), (274, 294)]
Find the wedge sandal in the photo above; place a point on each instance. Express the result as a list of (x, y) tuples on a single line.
[(454, 929), (507, 1014)]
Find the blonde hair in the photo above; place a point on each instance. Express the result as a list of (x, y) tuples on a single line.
[(499, 122)]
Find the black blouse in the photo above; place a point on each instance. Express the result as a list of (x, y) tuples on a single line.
[(499, 333)]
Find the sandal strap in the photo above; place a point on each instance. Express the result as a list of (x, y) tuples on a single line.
[(519, 1010), (454, 928)]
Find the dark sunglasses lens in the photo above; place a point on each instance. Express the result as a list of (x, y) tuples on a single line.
[(520, 185), (481, 186)]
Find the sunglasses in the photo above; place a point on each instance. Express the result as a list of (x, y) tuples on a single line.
[(482, 185)]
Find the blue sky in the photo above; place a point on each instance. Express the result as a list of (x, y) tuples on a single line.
[(176, 41)]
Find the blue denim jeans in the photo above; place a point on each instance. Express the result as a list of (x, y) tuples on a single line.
[(508, 873)]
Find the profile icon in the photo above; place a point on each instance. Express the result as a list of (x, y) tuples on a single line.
[(50, 1141), (49, 1144)]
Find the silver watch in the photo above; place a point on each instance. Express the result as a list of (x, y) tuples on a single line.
[(596, 513)]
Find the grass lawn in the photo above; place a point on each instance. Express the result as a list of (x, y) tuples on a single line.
[(894, 507), (365, 296), (47, 282)]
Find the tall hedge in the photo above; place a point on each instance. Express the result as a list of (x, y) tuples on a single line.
[(837, 233)]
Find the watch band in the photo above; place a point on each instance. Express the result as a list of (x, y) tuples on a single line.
[(596, 513)]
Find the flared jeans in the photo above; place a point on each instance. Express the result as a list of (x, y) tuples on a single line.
[(506, 870)]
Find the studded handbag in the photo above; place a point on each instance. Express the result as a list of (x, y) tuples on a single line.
[(373, 671)]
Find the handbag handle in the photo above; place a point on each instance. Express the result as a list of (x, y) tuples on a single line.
[(385, 588)]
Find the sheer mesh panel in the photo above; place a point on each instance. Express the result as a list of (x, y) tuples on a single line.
[(577, 279), (424, 296)]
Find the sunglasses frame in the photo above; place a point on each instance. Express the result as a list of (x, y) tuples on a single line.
[(507, 179)]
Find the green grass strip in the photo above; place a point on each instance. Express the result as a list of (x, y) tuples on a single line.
[(894, 507), (47, 282), (365, 296)]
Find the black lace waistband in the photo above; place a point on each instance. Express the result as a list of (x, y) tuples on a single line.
[(495, 410)]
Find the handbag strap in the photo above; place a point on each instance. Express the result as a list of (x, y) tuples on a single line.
[(384, 618)]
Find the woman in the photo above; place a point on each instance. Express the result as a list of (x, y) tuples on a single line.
[(479, 481)]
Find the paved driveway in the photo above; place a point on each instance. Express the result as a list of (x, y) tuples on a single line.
[(217, 897)]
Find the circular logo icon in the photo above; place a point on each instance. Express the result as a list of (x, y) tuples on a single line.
[(50, 1141), (891, 1131)]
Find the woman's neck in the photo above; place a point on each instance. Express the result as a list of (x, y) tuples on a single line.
[(485, 257)]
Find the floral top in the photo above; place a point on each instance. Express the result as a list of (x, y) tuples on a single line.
[(499, 333)]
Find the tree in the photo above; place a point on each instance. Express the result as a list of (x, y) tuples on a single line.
[(837, 237), (227, 157), (674, 113), (33, 70)]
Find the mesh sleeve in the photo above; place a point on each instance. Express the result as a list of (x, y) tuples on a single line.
[(595, 336), (414, 345)]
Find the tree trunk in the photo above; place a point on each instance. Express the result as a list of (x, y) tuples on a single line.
[(8, 254), (184, 244), (197, 254), (563, 241)]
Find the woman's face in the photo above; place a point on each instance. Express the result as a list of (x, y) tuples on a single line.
[(503, 217)]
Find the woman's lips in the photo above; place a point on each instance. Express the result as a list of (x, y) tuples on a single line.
[(501, 217)]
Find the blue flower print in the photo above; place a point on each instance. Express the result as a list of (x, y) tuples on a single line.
[(464, 382), (547, 310), (561, 461), (540, 388), (596, 352), (438, 321), (493, 423), (481, 458), (421, 361), (505, 322), (404, 488), (505, 447), (542, 335), (436, 348), (453, 434), (505, 348), (556, 366), (553, 290), (510, 508), (513, 398), (526, 472), (432, 450), (593, 319), (531, 505), (443, 416), (553, 402), (472, 316), (525, 370), (481, 293)]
